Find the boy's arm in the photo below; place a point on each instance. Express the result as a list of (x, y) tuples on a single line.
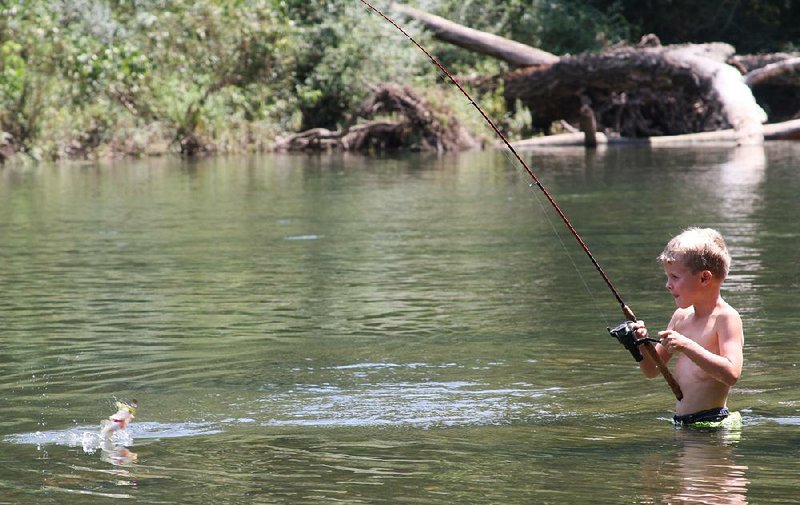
[(726, 367)]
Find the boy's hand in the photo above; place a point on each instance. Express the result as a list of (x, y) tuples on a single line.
[(639, 330), (673, 341)]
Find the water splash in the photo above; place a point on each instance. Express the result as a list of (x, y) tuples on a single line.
[(88, 437)]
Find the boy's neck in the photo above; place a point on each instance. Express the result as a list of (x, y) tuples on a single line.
[(706, 306)]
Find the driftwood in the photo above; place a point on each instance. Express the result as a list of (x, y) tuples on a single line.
[(775, 80), (515, 53), (788, 69), (789, 130), (644, 91), (747, 63), (588, 126), (379, 135), (412, 124)]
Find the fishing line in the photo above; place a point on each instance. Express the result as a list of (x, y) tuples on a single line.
[(629, 315), (568, 254), (625, 309)]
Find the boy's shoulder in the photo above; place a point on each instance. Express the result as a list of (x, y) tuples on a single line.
[(728, 325), (725, 310), (681, 314)]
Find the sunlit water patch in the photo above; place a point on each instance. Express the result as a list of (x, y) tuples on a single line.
[(361, 395), (415, 394), (779, 420), (303, 237)]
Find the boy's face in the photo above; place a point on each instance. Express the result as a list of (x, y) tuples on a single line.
[(682, 284)]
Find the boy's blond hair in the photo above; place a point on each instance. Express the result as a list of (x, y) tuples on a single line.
[(698, 249)]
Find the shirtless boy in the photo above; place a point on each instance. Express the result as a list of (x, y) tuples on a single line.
[(705, 332)]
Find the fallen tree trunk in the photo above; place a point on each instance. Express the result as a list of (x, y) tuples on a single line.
[(643, 92), (747, 63), (789, 130), (775, 81), (514, 53), (784, 69)]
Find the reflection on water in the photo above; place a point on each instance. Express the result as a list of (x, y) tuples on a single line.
[(342, 329), (705, 470), (737, 191), (739, 179), (118, 455)]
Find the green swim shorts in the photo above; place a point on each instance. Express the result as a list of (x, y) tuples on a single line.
[(713, 418)]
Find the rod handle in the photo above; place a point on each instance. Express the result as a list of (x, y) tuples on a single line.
[(653, 354), (662, 367)]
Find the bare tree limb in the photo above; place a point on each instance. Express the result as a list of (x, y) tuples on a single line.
[(514, 53), (773, 70)]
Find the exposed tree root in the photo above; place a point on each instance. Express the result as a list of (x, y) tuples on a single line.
[(393, 117)]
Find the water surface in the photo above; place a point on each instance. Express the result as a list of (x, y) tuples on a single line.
[(376, 330)]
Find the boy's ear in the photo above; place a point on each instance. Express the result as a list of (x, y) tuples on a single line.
[(706, 276)]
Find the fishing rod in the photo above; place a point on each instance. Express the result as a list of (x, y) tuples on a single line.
[(624, 332)]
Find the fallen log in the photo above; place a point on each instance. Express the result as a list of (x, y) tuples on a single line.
[(749, 62), (788, 130), (775, 81), (788, 69), (643, 92), (512, 52)]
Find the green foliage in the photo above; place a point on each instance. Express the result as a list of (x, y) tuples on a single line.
[(157, 61), (24, 83), (14, 71), (573, 26), (566, 26), (342, 51), (83, 77), (750, 25), (199, 55)]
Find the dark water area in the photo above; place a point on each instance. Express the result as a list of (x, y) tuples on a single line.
[(378, 330)]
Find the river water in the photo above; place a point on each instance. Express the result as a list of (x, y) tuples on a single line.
[(379, 330)]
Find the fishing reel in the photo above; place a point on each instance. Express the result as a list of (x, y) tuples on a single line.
[(625, 333)]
